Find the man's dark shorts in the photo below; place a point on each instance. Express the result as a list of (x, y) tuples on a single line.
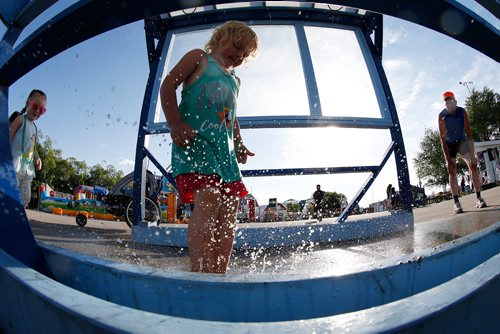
[(454, 148)]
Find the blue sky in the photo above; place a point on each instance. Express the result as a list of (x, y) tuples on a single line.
[(95, 93)]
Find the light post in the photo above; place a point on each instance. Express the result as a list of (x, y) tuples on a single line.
[(466, 84)]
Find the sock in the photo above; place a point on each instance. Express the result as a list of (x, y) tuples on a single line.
[(455, 198), (478, 194)]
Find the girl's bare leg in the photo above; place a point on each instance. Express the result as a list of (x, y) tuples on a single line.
[(201, 230), (224, 234)]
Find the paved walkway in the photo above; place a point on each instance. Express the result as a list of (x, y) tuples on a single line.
[(434, 225)]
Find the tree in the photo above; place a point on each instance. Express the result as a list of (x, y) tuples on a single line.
[(104, 177), (483, 108), (430, 163), (293, 207), (331, 201), (65, 174)]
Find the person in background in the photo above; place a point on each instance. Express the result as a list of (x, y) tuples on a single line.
[(318, 199), (23, 138), (456, 137)]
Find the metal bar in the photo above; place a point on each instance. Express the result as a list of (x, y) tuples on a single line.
[(492, 6), (308, 68), (369, 53), (88, 18), (140, 161), (164, 54), (375, 23), (6, 44), (162, 170), (307, 171), (32, 9), (369, 181), (9, 10), (149, 31), (396, 135), (265, 122)]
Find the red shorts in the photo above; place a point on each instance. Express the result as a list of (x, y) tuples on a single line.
[(188, 183)]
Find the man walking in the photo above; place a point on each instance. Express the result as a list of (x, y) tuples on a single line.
[(456, 137), (318, 199)]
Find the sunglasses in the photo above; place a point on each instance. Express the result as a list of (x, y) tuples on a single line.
[(38, 107)]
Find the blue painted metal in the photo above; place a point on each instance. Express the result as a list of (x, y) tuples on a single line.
[(89, 18), (492, 6), (364, 188), (9, 10), (286, 234), (162, 170), (308, 171), (396, 133), (273, 297), (20, 13), (28, 292), (307, 66), (16, 15), (149, 104), (276, 122), (455, 306), (315, 119)]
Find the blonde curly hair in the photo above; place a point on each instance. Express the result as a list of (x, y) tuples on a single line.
[(234, 31)]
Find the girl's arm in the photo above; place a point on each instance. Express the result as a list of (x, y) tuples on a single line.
[(180, 132), (242, 153), (14, 126)]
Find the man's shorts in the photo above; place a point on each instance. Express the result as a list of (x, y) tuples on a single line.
[(188, 183), (454, 148)]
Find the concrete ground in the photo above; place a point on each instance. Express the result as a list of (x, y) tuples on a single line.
[(435, 224)]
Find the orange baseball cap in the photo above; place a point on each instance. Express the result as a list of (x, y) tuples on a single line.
[(448, 94)]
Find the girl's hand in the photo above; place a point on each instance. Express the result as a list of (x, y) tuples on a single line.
[(38, 164), (181, 133), (242, 153)]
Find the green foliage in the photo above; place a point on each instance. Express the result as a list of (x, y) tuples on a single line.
[(483, 108), (293, 207), (65, 174), (331, 201), (430, 163)]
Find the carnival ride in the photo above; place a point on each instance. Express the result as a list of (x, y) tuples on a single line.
[(99, 203), (445, 288)]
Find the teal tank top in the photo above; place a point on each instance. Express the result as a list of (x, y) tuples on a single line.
[(209, 106)]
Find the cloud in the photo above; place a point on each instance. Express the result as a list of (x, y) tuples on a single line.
[(397, 65), (392, 36), (483, 73), (126, 162)]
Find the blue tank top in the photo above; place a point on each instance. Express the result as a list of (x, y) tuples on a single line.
[(209, 106), (454, 125)]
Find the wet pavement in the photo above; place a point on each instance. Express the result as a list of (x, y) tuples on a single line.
[(435, 224)]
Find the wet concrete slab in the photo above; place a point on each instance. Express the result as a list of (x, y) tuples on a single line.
[(434, 225)]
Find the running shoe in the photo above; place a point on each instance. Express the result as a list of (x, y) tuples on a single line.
[(480, 203), (458, 208)]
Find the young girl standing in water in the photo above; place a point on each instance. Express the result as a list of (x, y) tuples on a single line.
[(207, 144)]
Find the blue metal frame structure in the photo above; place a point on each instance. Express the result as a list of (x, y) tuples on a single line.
[(362, 25), (88, 18)]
